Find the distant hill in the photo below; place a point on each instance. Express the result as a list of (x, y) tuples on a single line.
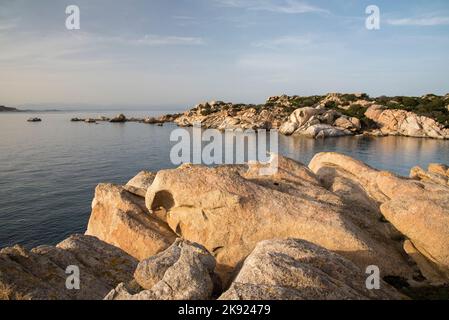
[(6, 109)]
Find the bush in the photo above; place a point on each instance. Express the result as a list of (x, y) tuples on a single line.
[(331, 105), (355, 110)]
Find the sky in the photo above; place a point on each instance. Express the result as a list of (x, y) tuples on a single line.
[(176, 53)]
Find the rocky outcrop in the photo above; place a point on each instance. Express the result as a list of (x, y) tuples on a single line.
[(121, 118), (185, 271), (332, 115), (118, 118), (40, 274), (403, 123), (221, 115), (417, 209), (437, 173), (229, 210), (318, 123), (140, 183), (34, 120), (120, 218), (294, 269)]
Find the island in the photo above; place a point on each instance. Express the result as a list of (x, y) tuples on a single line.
[(8, 109)]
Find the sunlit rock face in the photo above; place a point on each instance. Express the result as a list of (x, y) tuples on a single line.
[(417, 208)]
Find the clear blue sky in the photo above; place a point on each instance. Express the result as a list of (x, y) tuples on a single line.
[(142, 53)]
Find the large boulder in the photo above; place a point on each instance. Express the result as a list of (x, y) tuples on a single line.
[(416, 208), (120, 218), (298, 118), (348, 123), (294, 269), (425, 221), (318, 123), (40, 273), (405, 123), (324, 131), (185, 271), (229, 211)]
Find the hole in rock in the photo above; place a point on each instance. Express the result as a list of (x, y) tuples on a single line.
[(163, 199)]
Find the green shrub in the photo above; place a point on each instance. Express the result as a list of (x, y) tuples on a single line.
[(331, 105)]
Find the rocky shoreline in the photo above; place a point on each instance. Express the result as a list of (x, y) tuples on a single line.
[(332, 115), (227, 232), (121, 118)]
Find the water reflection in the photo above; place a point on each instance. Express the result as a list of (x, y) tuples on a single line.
[(398, 154)]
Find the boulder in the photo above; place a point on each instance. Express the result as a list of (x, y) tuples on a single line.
[(425, 221), (293, 269), (140, 183), (40, 274), (348, 123), (418, 173), (228, 211), (185, 271), (416, 209), (439, 168), (298, 118), (120, 218), (324, 131), (428, 268)]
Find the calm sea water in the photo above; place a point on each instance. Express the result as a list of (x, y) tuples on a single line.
[(49, 170)]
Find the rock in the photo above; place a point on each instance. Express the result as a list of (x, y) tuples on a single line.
[(228, 211), (90, 120), (76, 120), (347, 123), (151, 120), (425, 221), (185, 271), (438, 168), (401, 122), (288, 128), (418, 173), (298, 118), (121, 219), (294, 269), (223, 116), (324, 131), (34, 120), (119, 118), (429, 270), (318, 123), (40, 274), (417, 209), (140, 183)]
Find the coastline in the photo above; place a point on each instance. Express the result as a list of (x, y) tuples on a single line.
[(364, 214), (332, 115)]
